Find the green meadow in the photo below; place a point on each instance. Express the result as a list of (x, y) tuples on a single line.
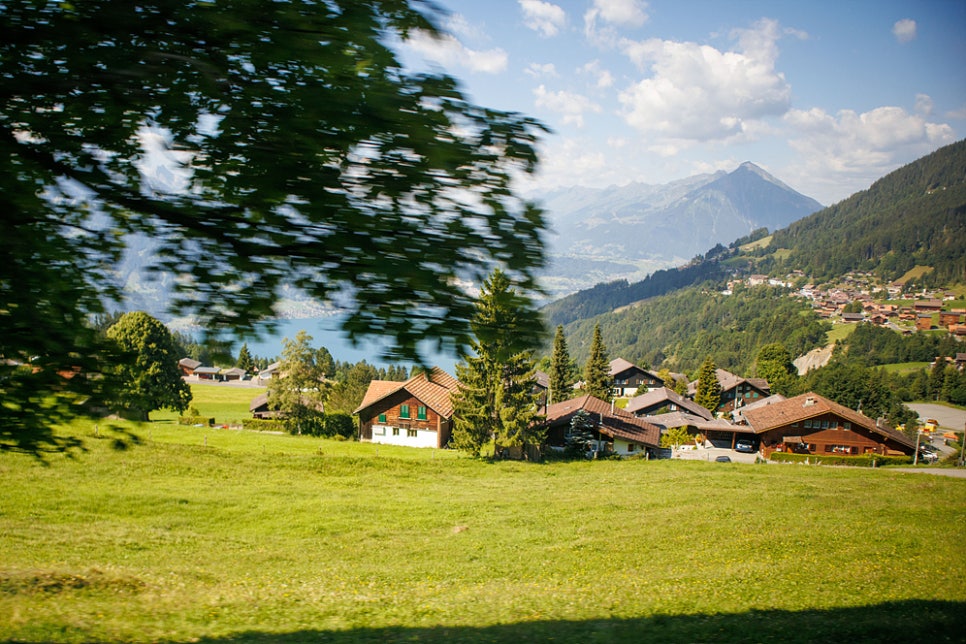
[(216, 535)]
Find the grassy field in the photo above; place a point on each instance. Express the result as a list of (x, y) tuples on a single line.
[(227, 404), (214, 535), (905, 367), (839, 332)]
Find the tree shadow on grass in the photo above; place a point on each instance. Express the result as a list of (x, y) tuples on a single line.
[(905, 621)]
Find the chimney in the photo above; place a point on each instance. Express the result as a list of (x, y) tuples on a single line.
[(809, 402)]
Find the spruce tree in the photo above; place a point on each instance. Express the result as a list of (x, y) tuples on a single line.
[(597, 380), (561, 369), (709, 389), (245, 360), (496, 400)]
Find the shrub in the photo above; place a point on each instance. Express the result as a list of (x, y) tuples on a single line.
[(339, 424), (196, 420), (865, 460), (263, 425)]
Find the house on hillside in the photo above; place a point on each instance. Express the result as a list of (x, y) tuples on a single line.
[(924, 321), (663, 399), (416, 413), (927, 306), (627, 378), (615, 431), (949, 318), (812, 424), (207, 373), (735, 390)]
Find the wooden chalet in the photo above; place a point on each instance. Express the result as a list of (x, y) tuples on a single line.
[(628, 378), (735, 390), (930, 306), (416, 413), (259, 408), (616, 431), (949, 318), (812, 424), (663, 399), (924, 321)]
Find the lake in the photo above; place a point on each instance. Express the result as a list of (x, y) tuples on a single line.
[(326, 333)]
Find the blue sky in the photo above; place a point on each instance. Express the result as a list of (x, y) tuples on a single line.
[(827, 96)]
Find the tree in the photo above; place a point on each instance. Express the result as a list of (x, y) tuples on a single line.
[(299, 393), (259, 145), (774, 364), (149, 374), (597, 380), (708, 394), (937, 377), (580, 436), (561, 368), (496, 399), (245, 360), (674, 437)]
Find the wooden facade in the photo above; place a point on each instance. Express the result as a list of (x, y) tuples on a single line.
[(812, 424), (416, 413), (628, 378)]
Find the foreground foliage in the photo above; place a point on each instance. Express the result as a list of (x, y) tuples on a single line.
[(258, 145), (216, 535)]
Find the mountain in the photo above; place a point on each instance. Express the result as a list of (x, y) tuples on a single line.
[(631, 231), (915, 216)]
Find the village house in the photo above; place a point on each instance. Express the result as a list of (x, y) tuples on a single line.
[(260, 409), (663, 399), (735, 390), (627, 378), (812, 424), (188, 366), (949, 318), (615, 430), (207, 373), (927, 306), (924, 321), (416, 413)]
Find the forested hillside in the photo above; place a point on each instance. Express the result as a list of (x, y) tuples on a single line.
[(680, 329), (913, 216)]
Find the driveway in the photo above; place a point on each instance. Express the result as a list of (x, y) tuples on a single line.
[(711, 453), (948, 417)]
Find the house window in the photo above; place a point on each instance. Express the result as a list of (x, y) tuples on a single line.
[(380, 431), (395, 431), (847, 425), (795, 424), (421, 413), (808, 424), (411, 433), (824, 424), (382, 418), (630, 447), (404, 411)]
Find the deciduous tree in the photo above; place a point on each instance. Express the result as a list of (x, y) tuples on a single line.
[(259, 144), (148, 372), (299, 392)]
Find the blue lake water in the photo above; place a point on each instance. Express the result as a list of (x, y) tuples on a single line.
[(326, 333)]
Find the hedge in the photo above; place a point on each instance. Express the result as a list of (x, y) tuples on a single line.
[(865, 460), (263, 425), (196, 420)]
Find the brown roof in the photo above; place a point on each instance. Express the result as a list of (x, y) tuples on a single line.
[(729, 381), (809, 405), (432, 387), (618, 365), (610, 421), (661, 395)]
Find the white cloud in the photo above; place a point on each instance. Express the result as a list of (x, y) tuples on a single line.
[(602, 78), (697, 92), (846, 152), (537, 70), (904, 30), (543, 17), (448, 50), (924, 104), (570, 105), (603, 19)]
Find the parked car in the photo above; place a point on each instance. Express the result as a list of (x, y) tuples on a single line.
[(745, 446), (722, 459)]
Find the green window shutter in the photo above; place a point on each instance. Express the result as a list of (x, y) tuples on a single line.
[(382, 418), (421, 413), (404, 411)]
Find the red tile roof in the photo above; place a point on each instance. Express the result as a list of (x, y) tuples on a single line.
[(432, 388), (613, 422)]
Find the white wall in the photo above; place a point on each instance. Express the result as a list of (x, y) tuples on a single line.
[(423, 438)]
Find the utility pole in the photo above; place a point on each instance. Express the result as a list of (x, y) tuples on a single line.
[(962, 449)]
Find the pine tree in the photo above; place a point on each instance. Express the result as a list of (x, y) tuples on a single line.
[(580, 436), (245, 360), (597, 380), (709, 389), (495, 400), (561, 368)]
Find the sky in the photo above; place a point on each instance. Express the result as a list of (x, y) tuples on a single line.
[(828, 96)]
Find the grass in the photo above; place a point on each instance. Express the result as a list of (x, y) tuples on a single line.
[(839, 332), (217, 535), (905, 367), (914, 273), (761, 243), (227, 404)]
